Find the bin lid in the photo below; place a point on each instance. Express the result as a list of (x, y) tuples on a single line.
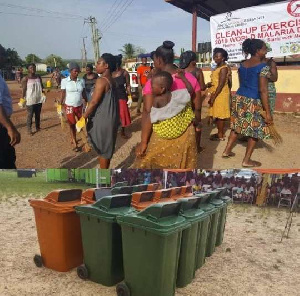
[(190, 209), (59, 201), (146, 196), (208, 208), (101, 192), (139, 188), (121, 190), (218, 203), (226, 199), (203, 197), (221, 190), (108, 207), (161, 219)]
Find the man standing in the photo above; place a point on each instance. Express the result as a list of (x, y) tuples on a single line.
[(142, 73), (9, 136)]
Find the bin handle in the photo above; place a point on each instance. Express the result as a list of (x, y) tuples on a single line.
[(151, 217)]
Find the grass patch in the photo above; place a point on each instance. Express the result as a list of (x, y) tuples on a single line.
[(11, 185)]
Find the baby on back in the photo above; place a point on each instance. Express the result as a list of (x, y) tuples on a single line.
[(171, 111)]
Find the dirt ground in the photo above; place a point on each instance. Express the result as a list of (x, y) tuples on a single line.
[(51, 147), (251, 260)]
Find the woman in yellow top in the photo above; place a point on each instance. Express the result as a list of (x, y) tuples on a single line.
[(219, 87)]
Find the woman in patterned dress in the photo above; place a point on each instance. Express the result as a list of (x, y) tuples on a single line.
[(250, 100)]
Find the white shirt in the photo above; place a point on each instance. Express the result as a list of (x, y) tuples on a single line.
[(5, 98), (34, 91), (73, 91)]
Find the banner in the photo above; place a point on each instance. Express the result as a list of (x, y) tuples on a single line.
[(278, 24)]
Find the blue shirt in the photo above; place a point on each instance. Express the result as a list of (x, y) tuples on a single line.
[(73, 91), (5, 98), (249, 81)]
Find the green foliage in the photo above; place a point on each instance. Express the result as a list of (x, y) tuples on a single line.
[(32, 58), (128, 51), (9, 58), (51, 59)]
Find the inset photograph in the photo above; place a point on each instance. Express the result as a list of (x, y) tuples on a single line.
[(115, 232)]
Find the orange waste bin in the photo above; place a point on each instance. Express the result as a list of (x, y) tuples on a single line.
[(58, 230), (142, 200), (187, 191), (88, 196), (163, 195), (176, 193), (153, 187)]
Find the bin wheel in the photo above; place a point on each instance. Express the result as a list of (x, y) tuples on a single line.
[(82, 272), (38, 260), (122, 289)]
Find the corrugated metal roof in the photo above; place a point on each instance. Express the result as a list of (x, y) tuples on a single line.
[(207, 8)]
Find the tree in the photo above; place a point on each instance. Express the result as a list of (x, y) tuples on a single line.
[(11, 57), (128, 50), (55, 61), (32, 58)]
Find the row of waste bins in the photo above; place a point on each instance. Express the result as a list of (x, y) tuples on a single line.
[(148, 252)]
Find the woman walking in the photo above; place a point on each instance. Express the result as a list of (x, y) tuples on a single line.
[(158, 149), (250, 100), (73, 91), (122, 82), (89, 78), (103, 111), (32, 92), (220, 93)]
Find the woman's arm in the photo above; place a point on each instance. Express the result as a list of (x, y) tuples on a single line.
[(99, 90), (146, 126), (263, 90)]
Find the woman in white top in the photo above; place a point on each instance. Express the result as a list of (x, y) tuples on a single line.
[(32, 92), (73, 91)]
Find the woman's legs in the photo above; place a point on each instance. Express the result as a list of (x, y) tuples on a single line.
[(37, 115), (104, 163), (220, 126), (231, 140), (73, 135), (29, 118), (250, 148)]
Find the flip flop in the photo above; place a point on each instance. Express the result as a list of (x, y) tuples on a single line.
[(215, 137), (231, 154), (200, 150), (255, 164)]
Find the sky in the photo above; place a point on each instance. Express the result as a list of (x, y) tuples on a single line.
[(46, 27)]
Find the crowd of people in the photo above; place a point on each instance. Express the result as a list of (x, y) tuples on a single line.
[(172, 100), (285, 187)]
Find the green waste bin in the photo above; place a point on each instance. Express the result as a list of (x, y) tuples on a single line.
[(215, 224), (102, 240), (203, 230), (121, 190), (151, 245), (190, 242), (222, 220)]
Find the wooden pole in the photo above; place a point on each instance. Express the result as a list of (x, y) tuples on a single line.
[(194, 29)]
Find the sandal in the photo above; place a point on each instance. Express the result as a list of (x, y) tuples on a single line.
[(76, 149), (215, 137), (231, 154), (252, 164)]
